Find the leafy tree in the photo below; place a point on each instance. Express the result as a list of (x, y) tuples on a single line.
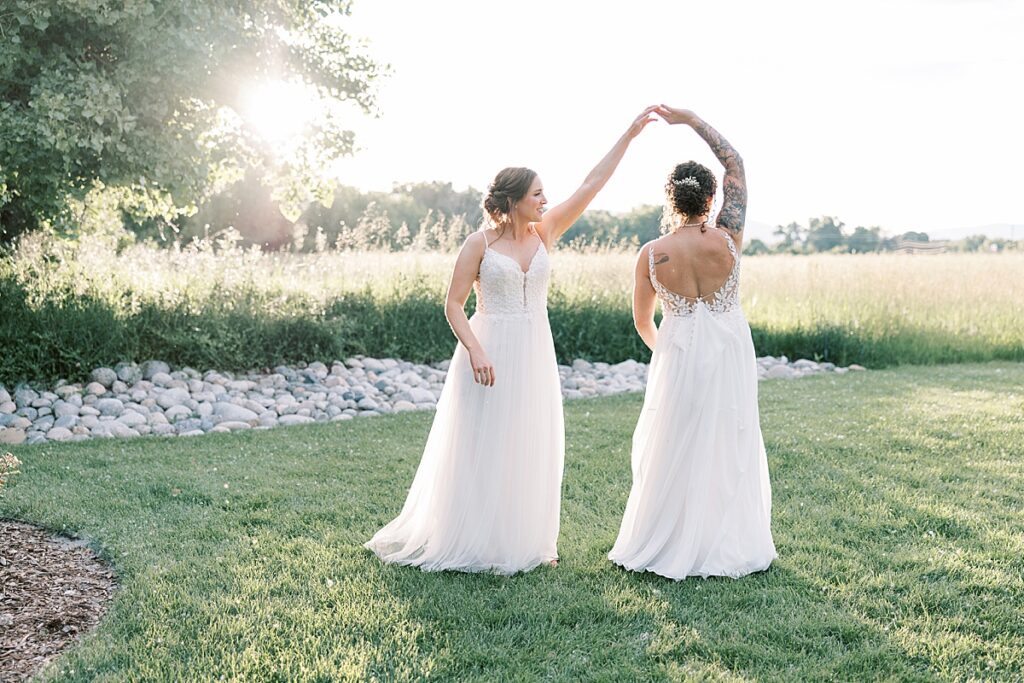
[(755, 247), (642, 224), (403, 238), (825, 234), (146, 95), (974, 242), (864, 240), (373, 230), (792, 237)]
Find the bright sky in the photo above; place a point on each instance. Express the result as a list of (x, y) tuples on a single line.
[(901, 113)]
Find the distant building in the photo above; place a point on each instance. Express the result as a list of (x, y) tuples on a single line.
[(904, 246)]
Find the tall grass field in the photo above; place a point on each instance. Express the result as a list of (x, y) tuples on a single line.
[(66, 308)]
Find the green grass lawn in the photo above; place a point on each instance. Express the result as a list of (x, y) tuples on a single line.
[(897, 515)]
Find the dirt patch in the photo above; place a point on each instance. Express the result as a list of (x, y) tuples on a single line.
[(53, 589)]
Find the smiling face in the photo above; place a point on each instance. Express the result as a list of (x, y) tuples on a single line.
[(530, 209)]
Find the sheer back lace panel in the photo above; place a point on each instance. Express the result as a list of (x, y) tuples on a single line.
[(502, 287), (725, 298)]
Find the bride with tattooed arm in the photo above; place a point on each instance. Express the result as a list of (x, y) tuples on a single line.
[(700, 503)]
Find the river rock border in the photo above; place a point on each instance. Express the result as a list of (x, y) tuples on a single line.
[(131, 400)]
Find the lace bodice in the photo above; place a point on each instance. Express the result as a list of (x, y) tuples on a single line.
[(725, 298), (504, 289)]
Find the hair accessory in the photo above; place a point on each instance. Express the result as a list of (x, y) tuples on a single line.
[(688, 180)]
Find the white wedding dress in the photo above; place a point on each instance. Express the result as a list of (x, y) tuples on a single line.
[(701, 499), (487, 493)]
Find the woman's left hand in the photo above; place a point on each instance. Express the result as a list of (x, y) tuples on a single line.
[(641, 122)]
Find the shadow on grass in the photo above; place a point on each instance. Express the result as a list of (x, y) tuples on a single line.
[(240, 555)]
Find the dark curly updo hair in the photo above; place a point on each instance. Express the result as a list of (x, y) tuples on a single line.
[(688, 189), (509, 186)]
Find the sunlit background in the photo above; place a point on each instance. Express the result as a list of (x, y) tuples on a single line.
[(901, 114)]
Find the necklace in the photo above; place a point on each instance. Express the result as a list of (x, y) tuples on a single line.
[(702, 224)]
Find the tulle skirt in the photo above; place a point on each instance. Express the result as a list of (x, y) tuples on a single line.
[(486, 496), (700, 504)]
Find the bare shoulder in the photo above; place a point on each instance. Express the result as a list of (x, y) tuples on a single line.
[(473, 247), (735, 235), (478, 239), (543, 231), (643, 256)]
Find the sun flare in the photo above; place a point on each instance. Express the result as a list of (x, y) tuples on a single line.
[(279, 111)]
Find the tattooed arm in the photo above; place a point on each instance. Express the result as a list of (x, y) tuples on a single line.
[(734, 187)]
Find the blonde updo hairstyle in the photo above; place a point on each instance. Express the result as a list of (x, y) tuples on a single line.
[(509, 186)]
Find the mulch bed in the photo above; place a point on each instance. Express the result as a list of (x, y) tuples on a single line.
[(52, 590)]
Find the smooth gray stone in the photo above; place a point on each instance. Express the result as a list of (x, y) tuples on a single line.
[(24, 397), (233, 425), (129, 373), (59, 434), (109, 406), (373, 365), (188, 425), (104, 376), (418, 395), (69, 390), (153, 367), (177, 413), (66, 422), (161, 379), (367, 404), (115, 429), (12, 436), (225, 411), (63, 408), (132, 419), (292, 420), (172, 397)]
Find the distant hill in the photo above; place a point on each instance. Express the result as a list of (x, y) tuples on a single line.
[(758, 230), (763, 231), (993, 231)]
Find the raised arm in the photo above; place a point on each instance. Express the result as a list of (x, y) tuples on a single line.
[(560, 218), (734, 188), (644, 298), (467, 265)]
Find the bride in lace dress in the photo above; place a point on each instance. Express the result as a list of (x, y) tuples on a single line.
[(701, 499), (487, 494)]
